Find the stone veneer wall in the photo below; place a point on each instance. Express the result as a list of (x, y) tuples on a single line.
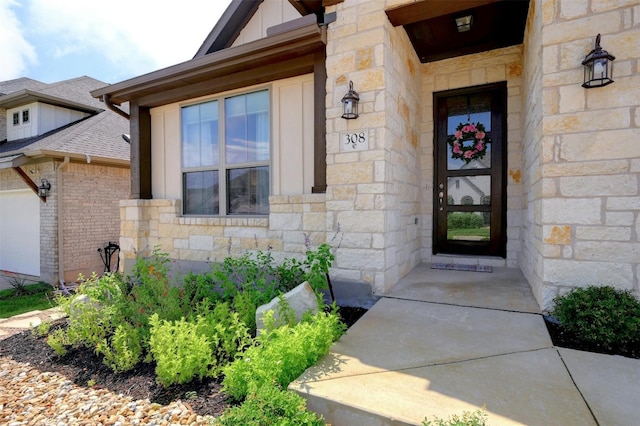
[(589, 164), (471, 70), (295, 223), (373, 195), (531, 258)]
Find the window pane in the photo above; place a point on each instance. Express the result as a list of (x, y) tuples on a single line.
[(474, 109), (469, 190), (248, 190), (25, 116), (201, 193), (200, 135), (16, 118), (469, 226), (247, 128)]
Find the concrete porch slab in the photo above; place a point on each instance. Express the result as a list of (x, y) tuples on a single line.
[(610, 384), (504, 288), (399, 334), (525, 388)]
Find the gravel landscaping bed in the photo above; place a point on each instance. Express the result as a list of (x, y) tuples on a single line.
[(38, 387), (32, 397)]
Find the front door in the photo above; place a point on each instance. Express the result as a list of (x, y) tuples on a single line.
[(470, 171)]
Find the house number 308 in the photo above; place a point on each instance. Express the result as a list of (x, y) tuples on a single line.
[(353, 139)]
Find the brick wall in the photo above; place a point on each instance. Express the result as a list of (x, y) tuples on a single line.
[(91, 214)]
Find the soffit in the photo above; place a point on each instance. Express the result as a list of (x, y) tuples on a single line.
[(430, 25)]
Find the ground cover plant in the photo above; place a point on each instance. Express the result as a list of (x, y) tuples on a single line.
[(598, 319), (198, 330), (24, 297), (468, 418)]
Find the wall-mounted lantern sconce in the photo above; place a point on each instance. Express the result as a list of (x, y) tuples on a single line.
[(44, 188), (464, 22), (598, 67), (350, 103)]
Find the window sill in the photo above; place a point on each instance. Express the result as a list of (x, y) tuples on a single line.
[(259, 221)]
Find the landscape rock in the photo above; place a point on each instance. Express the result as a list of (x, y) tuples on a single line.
[(300, 300)]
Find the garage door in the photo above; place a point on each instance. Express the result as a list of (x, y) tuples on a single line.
[(20, 232)]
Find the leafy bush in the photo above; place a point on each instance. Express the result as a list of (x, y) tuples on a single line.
[(477, 418), (282, 354), (123, 350), (464, 220), (198, 346), (113, 315), (268, 405), (603, 316), (180, 351)]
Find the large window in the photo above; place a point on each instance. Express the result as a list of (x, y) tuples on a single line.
[(225, 156)]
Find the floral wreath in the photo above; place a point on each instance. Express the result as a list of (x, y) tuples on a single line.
[(474, 151)]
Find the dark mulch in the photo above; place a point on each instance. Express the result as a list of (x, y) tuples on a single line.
[(565, 339), (84, 367)]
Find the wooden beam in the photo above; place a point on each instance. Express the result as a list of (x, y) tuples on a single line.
[(320, 124), (31, 184), (140, 124), (427, 9)]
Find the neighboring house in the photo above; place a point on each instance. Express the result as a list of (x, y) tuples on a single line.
[(57, 135), (245, 144)]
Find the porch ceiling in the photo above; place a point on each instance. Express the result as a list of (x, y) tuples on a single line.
[(431, 26)]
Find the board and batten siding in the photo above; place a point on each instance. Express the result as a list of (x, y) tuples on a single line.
[(269, 14), (42, 119), (291, 139)]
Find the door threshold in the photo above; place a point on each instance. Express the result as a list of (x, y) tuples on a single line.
[(462, 267)]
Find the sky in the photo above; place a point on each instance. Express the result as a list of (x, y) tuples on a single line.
[(109, 40)]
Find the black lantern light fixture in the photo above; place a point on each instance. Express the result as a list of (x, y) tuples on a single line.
[(598, 67), (350, 103), (44, 188)]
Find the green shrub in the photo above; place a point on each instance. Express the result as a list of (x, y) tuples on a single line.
[(477, 418), (464, 220), (269, 405), (180, 352), (198, 346), (123, 350), (282, 354), (603, 316)]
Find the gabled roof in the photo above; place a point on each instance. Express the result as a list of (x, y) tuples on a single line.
[(23, 83), (239, 13), (98, 136), (73, 93)]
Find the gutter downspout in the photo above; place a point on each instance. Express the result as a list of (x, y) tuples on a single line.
[(60, 212), (107, 101)]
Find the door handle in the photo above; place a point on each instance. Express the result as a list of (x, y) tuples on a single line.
[(441, 197)]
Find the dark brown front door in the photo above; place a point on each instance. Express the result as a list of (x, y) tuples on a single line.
[(470, 171)]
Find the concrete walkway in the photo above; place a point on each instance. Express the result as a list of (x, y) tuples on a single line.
[(444, 342), (20, 323)]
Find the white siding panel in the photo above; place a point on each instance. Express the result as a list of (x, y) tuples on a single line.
[(173, 158), (20, 232), (269, 13), (158, 154), (293, 135), (51, 117)]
